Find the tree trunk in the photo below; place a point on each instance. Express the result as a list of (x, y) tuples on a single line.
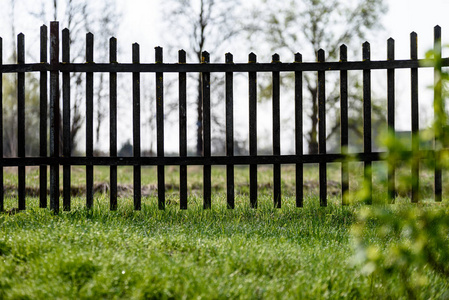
[(313, 133)]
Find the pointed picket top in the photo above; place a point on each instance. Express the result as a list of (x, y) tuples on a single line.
[(437, 28), (437, 39), (205, 57), (136, 50), (229, 58), (366, 51), (113, 50), (252, 58), (44, 44), (343, 52), (158, 54), (298, 57), (21, 48), (182, 56), (89, 47), (390, 49), (65, 45), (275, 58), (321, 55)]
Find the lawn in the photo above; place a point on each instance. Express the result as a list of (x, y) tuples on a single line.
[(264, 253)]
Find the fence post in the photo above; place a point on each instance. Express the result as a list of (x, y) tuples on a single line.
[(344, 137), (252, 90), (438, 112), (367, 123), (391, 117), (160, 129), (229, 132), (182, 131), (66, 120), (322, 130), (113, 123), (207, 168), (43, 119), (276, 133), (21, 118), (415, 119), (89, 121), (54, 116), (137, 170), (299, 171)]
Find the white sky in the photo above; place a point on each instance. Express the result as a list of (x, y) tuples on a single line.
[(142, 16)]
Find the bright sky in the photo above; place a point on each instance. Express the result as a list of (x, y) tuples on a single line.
[(404, 16)]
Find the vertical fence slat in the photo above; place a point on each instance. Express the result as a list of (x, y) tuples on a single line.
[(344, 137), (21, 118), (89, 121), (299, 171), (160, 129), (367, 122), (438, 111), (276, 134), (415, 119), (136, 129), (205, 78), (229, 132), (391, 117), (252, 78), (322, 129), (43, 80), (113, 123), (66, 119), (54, 116), (182, 131), (2, 204)]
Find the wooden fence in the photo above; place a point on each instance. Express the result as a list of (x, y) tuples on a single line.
[(56, 67)]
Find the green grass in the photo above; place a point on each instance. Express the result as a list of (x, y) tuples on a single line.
[(264, 253)]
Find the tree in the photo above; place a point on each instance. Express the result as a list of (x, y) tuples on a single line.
[(201, 24), (81, 17), (310, 25)]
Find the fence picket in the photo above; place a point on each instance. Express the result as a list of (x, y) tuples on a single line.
[(229, 94), (252, 81), (113, 124), (344, 137), (299, 171), (391, 117), (438, 106), (54, 117), (205, 80), (367, 145), (21, 118), (276, 134), (67, 149), (43, 106), (137, 171), (322, 129), (160, 129), (89, 121), (182, 131), (415, 119)]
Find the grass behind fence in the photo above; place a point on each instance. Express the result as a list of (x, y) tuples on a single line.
[(265, 183)]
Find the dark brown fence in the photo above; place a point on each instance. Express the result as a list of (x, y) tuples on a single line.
[(57, 67)]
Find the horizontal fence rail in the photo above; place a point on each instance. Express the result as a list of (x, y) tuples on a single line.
[(60, 68)]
